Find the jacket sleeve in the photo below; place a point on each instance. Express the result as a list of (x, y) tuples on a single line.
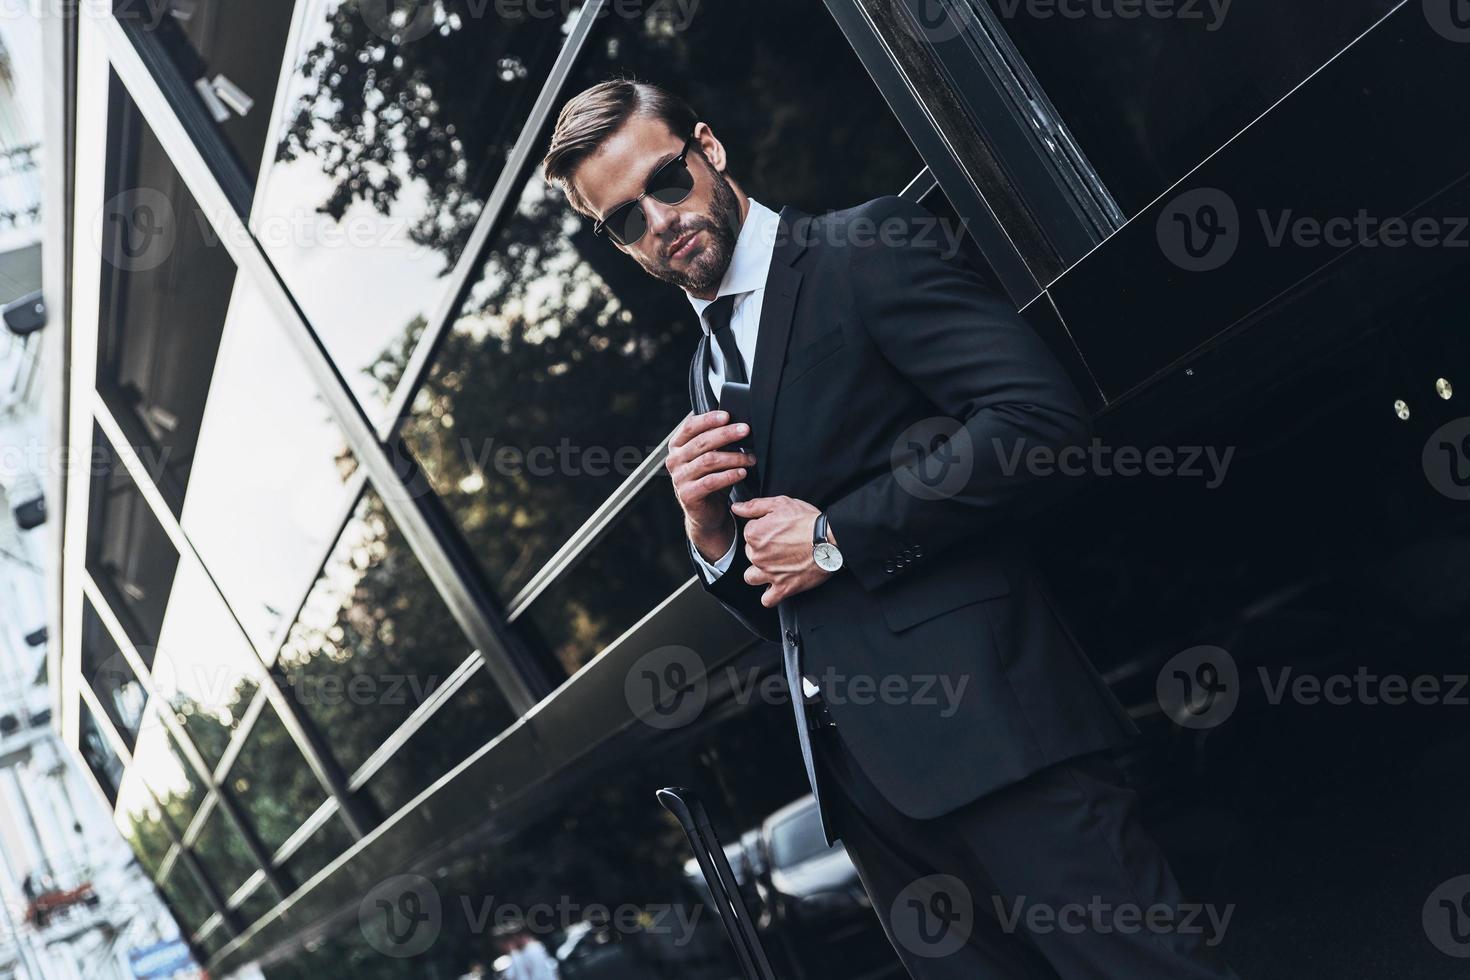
[(999, 394), (741, 599)]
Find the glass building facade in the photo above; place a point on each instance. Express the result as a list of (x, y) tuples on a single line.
[(373, 529)]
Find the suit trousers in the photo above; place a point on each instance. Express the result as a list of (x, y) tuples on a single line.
[(1052, 876)]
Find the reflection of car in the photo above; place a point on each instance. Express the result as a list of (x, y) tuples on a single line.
[(815, 891), (594, 952)]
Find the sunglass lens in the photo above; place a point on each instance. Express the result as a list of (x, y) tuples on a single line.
[(673, 184), (629, 224)]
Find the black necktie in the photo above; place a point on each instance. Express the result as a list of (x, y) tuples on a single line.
[(719, 313)]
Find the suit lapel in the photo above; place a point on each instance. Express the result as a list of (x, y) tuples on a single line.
[(774, 331)]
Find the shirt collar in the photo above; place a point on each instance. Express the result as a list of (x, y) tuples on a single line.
[(751, 262)]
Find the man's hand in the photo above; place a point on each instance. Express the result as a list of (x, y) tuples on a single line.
[(778, 542), (702, 472)]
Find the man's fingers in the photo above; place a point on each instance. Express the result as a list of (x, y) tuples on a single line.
[(707, 463), (755, 575), (772, 597), (755, 507), (693, 425), (695, 491), (716, 438)]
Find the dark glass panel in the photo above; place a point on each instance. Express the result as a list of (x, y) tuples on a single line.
[(223, 853), (319, 850), (98, 753), (598, 600), (231, 53), (112, 679), (458, 728), (270, 779), (567, 363), (373, 640), (187, 898), (128, 552), (388, 144), (257, 903), (1151, 93)]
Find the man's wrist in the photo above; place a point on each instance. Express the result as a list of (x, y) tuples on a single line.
[(712, 544)]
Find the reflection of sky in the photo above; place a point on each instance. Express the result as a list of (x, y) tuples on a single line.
[(201, 653), (265, 488), (360, 281), (161, 771)]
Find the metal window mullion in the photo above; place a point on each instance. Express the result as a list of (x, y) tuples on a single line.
[(466, 268), (105, 726), (308, 742), (592, 531), (426, 710), (163, 711), (236, 744), (250, 261), (316, 821)]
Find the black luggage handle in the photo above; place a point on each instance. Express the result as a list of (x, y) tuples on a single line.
[(724, 889)]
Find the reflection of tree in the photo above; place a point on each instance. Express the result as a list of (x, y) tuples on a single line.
[(442, 109), (372, 641)]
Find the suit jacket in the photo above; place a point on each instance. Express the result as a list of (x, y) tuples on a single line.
[(937, 648)]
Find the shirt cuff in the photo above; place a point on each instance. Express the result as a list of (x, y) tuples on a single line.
[(712, 572)]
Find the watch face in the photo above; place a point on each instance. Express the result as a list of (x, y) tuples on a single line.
[(827, 557)]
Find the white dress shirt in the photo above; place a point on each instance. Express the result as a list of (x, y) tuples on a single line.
[(745, 279)]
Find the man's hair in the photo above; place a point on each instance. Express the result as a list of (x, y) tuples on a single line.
[(595, 114)]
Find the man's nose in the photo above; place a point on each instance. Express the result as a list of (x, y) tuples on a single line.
[(661, 217)]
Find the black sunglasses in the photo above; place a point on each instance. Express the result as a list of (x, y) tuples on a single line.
[(669, 184)]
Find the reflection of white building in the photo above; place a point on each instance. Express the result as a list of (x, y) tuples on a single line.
[(73, 902)]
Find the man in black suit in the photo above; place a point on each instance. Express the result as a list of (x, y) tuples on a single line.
[(952, 730)]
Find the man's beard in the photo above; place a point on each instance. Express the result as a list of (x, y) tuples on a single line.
[(721, 226)]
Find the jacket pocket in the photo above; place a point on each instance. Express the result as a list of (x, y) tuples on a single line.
[(812, 354), (908, 603)]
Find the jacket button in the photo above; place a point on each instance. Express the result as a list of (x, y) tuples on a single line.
[(888, 567)]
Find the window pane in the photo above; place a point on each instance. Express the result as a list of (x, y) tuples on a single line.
[(598, 600), (321, 849), (374, 639), (202, 667), (270, 779), (166, 774), (140, 820), (113, 681), (269, 479), (128, 552), (1149, 96), (223, 854), (231, 54), (456, 730), (98, 753), (388, 144), (205, 382), (567, 362), (187, 898)]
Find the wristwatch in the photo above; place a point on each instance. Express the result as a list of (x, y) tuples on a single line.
[(824, 552)]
